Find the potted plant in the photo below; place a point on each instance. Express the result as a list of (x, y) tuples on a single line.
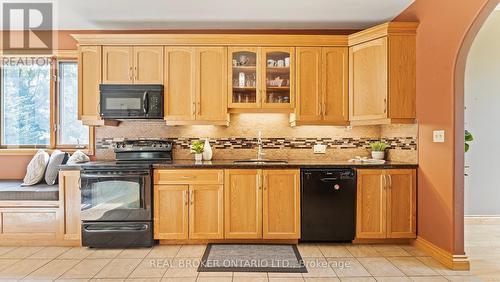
[(197, 149), (378, 150)]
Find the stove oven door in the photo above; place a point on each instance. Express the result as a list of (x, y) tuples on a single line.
[(116, 195)]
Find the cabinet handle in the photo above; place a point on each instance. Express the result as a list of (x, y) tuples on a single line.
[(199, 108), (390, 181), (191, 196), (324, 109), (186, 197), (384, 181), (135, 73), (188, 176), (264, 180), (194, 108), (259, 181), (130, 71), (385, 105)]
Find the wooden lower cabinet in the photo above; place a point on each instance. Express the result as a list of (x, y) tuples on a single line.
[(188, 204), (205, 212), (386, 204), (281, 204), (69, 188), (171, 211), (401, 200), (262, 204), (243, 204)]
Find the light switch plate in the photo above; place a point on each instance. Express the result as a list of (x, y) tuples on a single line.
[(438, 136), (319, 149)]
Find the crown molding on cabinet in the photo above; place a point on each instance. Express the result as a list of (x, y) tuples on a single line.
[(381, 30), (298, 40), (211, 39)]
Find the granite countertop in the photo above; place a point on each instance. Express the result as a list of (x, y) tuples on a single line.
[(289, 164), (221, 164)]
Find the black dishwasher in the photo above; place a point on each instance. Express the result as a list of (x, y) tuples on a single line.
[(328, 204)]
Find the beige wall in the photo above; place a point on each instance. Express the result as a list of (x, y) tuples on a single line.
[(482, 101)]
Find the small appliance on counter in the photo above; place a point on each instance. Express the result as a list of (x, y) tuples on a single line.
[(116, 196), (131, 101), (328, 198)]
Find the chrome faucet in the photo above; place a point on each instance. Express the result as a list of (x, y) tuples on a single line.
[(260, 153)]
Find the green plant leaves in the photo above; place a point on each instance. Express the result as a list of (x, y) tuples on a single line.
[(468, 138)]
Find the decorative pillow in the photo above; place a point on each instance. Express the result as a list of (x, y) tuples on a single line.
[(36, 168), (78, 157), (56, 159)]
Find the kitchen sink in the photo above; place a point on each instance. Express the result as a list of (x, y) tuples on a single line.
[(261, 161)]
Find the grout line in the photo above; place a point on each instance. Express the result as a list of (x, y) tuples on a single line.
[(36, 268), (109, 262)]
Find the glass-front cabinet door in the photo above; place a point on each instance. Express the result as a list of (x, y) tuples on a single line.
[(244, 78), (278, 77)]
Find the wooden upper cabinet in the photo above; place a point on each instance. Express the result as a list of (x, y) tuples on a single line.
[(211, 81), (171, 211), (133, 64), (195, 85), (371, 204), (117, 64), (382, 75), (281, 204), (206, 212), (401, 200), (322, 86), (386, 203), (335, 85), (179, 84), (89, 78), (369, 80), (244, 78), (242, 204), (278, 77), (261, 79), (148, 64), (309, 93)]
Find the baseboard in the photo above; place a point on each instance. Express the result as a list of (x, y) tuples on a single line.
[(454, 262)]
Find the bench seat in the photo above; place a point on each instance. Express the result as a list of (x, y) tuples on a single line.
[(11, 190)]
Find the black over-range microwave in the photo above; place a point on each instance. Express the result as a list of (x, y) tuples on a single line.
[(131, 101)]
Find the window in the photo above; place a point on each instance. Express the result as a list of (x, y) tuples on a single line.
[(38, 111), (70, 130), (26, 105)]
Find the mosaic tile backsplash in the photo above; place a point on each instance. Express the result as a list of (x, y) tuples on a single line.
[(239, 140), (404, 143)]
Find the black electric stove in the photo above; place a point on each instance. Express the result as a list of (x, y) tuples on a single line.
[(116, 202)]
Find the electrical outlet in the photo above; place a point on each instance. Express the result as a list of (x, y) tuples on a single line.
[(320, 149), (438, 136)]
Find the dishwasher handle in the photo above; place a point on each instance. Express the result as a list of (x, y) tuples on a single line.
[(329, 179)]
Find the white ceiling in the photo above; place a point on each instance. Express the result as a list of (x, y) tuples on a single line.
[(227, 14)]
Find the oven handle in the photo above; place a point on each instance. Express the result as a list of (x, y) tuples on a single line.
[(97, 175), (137, 228), (145, 102)]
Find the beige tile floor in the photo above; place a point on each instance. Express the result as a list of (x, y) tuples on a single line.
[(326, 262), (482, 245)]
